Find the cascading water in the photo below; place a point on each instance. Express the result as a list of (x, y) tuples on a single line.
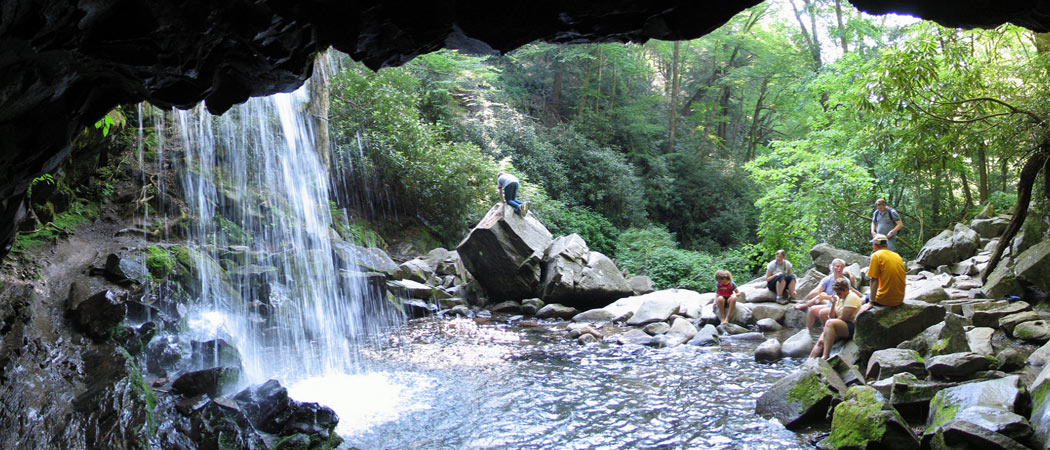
[(258, 194)]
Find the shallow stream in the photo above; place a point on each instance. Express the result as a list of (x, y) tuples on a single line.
[(443, 384)]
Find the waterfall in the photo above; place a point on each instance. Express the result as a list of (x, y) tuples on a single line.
[(262, 236)]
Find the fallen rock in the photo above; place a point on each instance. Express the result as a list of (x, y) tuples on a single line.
[(768, 324), (802, 396), (708, 335), (97, 316), (864, 420), (988, 314), (989, 228), (556, 311), (575, 276), (948, 247), (940, 339), (891, 361), (640, 284), (125, 270), (1007, 323), (214, 382), (963, 433), (1032, 267), (732, 328), (1009, 360), (930, 290), (634, 337), (1002, 281), (885, 327), (1040, 357), (596, 315), (1037, 331), (910, 395), (656, 328), (531, 306), (683, 329), (768, 351), (798, 345), (957, 365), (980, 340), (507, 307), (653, 309), (824, 253), (504, 253), (1000, 396)]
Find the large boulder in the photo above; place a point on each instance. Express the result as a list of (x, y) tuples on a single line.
[(884, 327), (708, 335), (768, 351), (949, 247), (672, 301), (1002, 281), (575, 276), (1032, 267), (1040, 417), (654, 309), (798, 345), (987, 314), (983, 403), (802, 396), (504, 253), (980, 340), (824, 253), (928, 290), (910, 395), (864, 420), (990, 228), (957, 365), (891, 361), (641, 284), (940, 339), (98, 315), (369, 259), (1035, 331)]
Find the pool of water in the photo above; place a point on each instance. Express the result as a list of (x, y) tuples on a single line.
[(451, 384)]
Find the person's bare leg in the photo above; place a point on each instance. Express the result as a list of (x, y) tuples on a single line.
[(823, 315), (780, 288), (834, 329), (791, 287), (818, 348), (720, 307), (731, 303), (811, 316), (864, 308)]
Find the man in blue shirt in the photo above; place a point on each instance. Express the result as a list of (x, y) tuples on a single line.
[(886, 221)]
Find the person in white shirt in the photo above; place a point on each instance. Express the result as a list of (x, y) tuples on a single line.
[(507, 185)]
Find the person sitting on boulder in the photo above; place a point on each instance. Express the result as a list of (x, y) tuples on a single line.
[(780, 276), (887, 275), (507, 185), (819, 299), (725, 295), (843, 309)]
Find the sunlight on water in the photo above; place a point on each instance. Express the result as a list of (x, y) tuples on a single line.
[(366, 400)]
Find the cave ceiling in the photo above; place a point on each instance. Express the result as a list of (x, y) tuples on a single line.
[(64, 64)]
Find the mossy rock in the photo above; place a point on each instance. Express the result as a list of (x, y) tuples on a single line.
[(803, 396), (159, 262), (863, 420)]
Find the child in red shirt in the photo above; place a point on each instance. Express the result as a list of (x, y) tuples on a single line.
[(725, 295)]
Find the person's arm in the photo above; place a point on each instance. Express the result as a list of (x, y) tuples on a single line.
[(897, 227), (814, 292), (790, 269), (831, 309), (873, 225), (874, 289), (769, 275)]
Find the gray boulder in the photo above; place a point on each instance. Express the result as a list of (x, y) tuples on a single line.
[(556, 311), (653, 309), (369, 259), (640, 284), (965, 433), (1032, 266), (634, 337), (504, 253), (957, 365), (824, 253), (891, 361), (798, 345), (1005, 397), (1002, 281), (1036, 331), (990, 228), (97, 316), (768, 351), (596, 315), (768, 324), (414, 269), (1040, 417), (987, 314), (803, 395), (125, 270), (940, 339), (1010, 359), (507, 307), (683, 329), (1040, 357), (908, 393), (980, 340), (708, 335), (884, 327), (768, 311), (656, 328), (731, 329), (531, 306), (948, 247), (1008, 323), (929, 290), (575, 276)]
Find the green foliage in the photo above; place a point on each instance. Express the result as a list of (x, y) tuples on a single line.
[(61, 225), (653, 252)]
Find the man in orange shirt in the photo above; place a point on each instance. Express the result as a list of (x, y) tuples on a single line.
[(887, 275)]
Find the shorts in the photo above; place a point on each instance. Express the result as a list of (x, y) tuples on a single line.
[(772, 284)]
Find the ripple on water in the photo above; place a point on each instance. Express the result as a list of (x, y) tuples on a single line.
[(499, 386)]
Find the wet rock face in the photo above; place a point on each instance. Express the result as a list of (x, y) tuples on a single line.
[(98, 315)]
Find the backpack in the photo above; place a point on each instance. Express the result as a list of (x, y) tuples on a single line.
[(894, 217)]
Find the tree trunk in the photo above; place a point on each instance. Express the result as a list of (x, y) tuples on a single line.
[(318, 110), (967, 197), (838, 18), (811, 41), (982, 173), (1029, 172), (674, 98)]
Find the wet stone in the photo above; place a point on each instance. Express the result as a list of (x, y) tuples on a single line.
[(768, 351), (1007, 323), (891, 361), (1036, 331), (769, 324), (708, 335), (557, 311), (657, 328), (798, 345), (988, 314), (957, 365), (98, 315), (214, 381)]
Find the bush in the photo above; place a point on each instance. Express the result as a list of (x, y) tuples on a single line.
[(652, 251)]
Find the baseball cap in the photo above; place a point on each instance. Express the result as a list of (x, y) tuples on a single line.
[(879, 239)]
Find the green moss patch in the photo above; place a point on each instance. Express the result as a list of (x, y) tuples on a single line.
[(942, 414), (159, 262), (808, 391), (857, 421)]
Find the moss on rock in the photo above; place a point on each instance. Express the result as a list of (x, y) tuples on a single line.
[(858, 420), (808, 391), (159, 262)]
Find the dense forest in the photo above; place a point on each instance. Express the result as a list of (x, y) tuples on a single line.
[(778, 130)]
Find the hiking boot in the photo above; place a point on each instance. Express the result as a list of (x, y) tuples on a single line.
[(524, 209)]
